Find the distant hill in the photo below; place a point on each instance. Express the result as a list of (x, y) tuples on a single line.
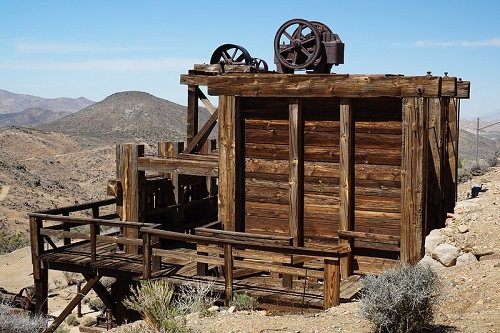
[(30, 117), (488, 128), (129, 115), (27, 110)]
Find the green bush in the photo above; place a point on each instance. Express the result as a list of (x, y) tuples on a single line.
[(72, 320), (400, 300), (244, 302), (12, 242), (153, 300)]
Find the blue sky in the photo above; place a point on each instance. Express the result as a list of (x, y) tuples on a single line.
[(91, 48)]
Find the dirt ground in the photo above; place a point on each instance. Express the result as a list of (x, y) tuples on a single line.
[(470, 299)]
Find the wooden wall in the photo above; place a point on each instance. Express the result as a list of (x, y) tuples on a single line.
[(378, 143)]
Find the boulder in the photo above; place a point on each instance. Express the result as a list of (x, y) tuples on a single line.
[(466, 258), (433, 239), (446, 254), (428, 261)]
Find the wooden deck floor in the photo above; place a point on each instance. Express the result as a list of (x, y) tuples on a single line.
[(267, 287)]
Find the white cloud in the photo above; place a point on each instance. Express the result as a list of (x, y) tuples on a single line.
[(465, 43), (156, 64), (55, 47)]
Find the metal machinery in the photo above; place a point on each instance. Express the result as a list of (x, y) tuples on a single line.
[(298, 45), (231, 54), (17, 300), (307, 45)]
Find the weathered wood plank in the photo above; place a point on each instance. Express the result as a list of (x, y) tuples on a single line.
[(450, 172), (463, 89), (296, 164), (227, 162), (449, 86), (413, 177), (179, 165), (306, 86), (346, 186), (192, 114), (436, 215), (331, 283), (132, 180)]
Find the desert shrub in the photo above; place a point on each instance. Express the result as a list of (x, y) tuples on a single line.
[(493, 160), (195, 297), (95, 304), (12, 321), (400, 300), (72, 320), (479, 168), (244, 302), (154, 300), (12, 242)]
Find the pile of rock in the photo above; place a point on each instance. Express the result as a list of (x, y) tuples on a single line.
[(441, 248)]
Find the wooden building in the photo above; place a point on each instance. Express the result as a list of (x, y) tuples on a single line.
[(309, 173)]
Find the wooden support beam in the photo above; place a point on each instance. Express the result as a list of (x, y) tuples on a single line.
[(451, 154), (40, 274), (74, 302), (205, 101), (228, 273), (331, 295), (227, 162), (132, 180), (413, 177), (296, 173), (199, 140), (346, 186), (169, 150), (322, 86), (437, 132), (192, 114)]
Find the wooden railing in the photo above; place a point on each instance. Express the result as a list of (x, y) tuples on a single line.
[(330, 257), (234, 248)]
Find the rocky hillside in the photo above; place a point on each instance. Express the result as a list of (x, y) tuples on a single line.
[(130, 115)]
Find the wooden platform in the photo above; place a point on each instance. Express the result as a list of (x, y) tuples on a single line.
[(305, 292)]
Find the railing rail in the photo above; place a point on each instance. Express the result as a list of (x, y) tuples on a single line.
[(231, 243)]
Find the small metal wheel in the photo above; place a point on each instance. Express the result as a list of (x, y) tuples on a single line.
[(321, 27), (230, 54), (297, 44), (259, 65)]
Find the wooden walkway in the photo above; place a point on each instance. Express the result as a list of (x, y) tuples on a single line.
[(305, 292)]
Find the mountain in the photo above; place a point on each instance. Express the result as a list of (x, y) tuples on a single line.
[(30, 117), (129, 115), (28, 110), (487, 128)]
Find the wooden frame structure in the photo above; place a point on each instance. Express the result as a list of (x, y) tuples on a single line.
[(316, 175)]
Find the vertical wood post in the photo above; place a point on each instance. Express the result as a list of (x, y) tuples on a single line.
[(331, 296), (146, 248), (228, 273), (296, 165), (192, 113), (132, 182), (172, 149), (451, 156), (40, 274), (413, 178), (435, 213), (227, 162), (346, 186)]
